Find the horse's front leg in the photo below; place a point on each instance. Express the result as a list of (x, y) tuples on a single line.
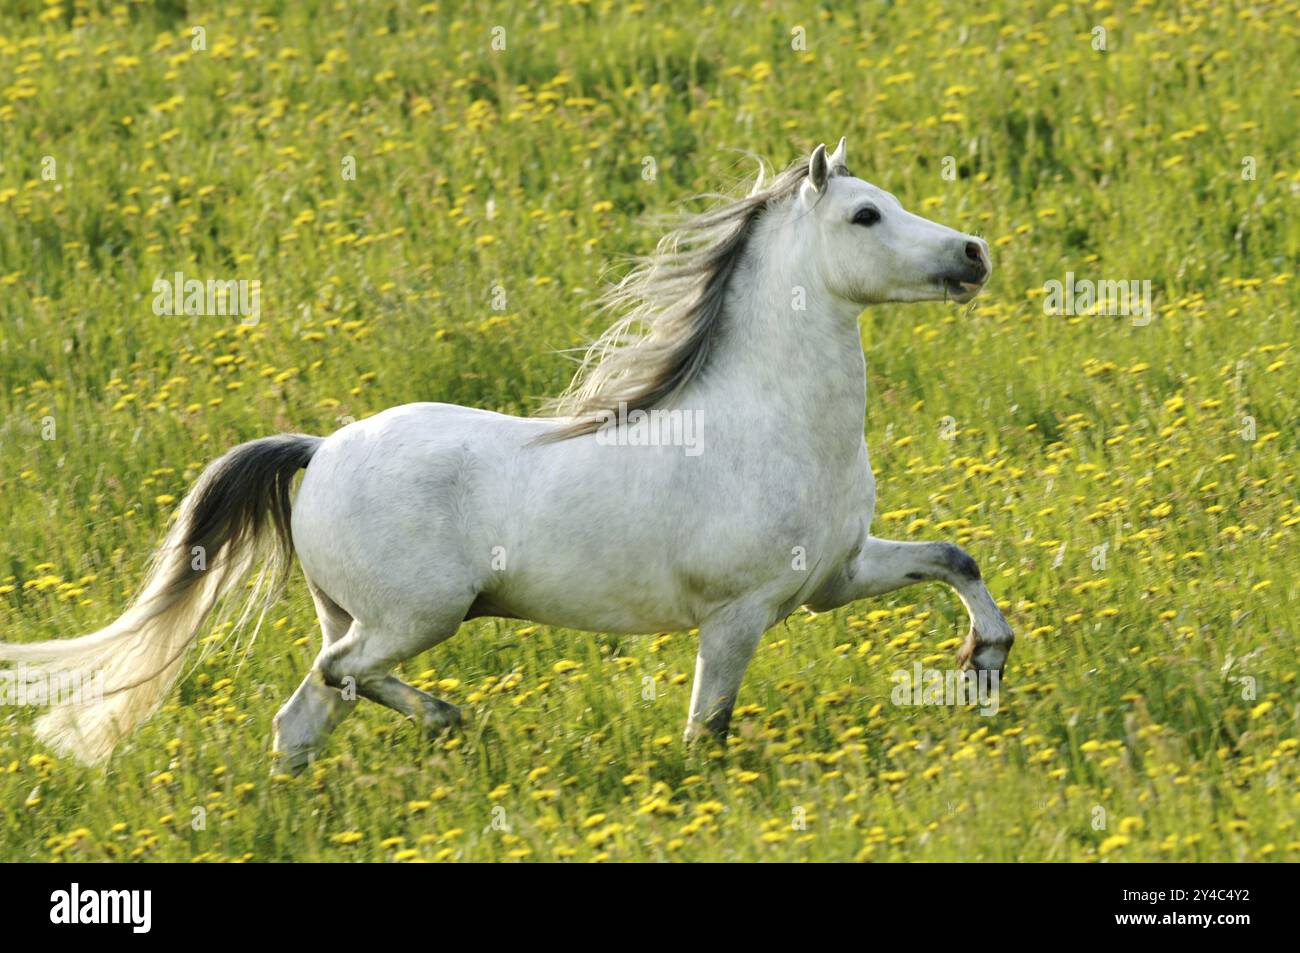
[(727, 643), (883, 565)]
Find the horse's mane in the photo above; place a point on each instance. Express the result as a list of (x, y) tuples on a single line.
[(671, 306)]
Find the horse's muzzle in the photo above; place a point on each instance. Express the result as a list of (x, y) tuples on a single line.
[(970, 270)]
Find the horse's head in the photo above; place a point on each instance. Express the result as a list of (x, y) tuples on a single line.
[(872, 250)]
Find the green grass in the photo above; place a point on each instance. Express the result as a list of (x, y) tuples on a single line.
[(523, 169)]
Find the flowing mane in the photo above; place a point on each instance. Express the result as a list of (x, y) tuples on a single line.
[(671, 305)]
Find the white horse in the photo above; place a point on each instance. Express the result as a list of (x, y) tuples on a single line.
[(412, 521)]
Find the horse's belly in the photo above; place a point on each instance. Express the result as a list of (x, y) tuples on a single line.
[(593, 583), (589, 613)]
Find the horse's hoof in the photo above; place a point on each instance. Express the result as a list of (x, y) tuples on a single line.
[(292, 764), (984, 655)]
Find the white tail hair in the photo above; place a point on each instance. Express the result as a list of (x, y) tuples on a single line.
[(234, 518)]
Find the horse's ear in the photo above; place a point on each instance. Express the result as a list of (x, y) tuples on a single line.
[(819, 169), (837, 162)]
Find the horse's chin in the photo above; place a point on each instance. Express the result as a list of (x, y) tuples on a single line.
[(960, 291)]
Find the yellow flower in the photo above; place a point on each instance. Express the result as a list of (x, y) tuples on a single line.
[(1113, 843)]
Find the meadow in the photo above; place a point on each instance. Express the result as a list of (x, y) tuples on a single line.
[(432, 198)]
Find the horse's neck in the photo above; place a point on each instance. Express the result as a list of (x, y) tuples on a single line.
[(789, 360)]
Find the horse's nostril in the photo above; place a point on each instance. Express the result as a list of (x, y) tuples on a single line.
[(975, 255)]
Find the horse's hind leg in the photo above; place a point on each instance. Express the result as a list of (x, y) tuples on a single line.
[(365, 657), (432, 714), (314, 709)]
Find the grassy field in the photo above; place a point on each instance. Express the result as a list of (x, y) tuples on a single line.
[(1129, 488)]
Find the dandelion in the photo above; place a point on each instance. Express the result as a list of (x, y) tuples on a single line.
[(1113, 843)]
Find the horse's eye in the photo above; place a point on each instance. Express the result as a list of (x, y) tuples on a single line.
[(867, 215)]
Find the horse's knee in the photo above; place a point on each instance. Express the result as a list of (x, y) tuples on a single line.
[(959, 562)]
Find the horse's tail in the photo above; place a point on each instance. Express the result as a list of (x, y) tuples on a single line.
[(235, 517)]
